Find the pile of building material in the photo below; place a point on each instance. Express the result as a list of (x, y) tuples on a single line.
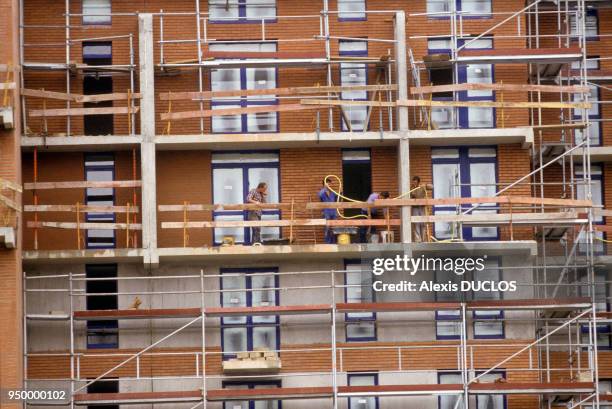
[(261, 360)]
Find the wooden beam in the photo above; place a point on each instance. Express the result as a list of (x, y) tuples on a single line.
[(221, 207), (280, 223), (77, 97), (174, 96), (206, 113), (82, 208), (483, 219), (576, 125), (82, 111), (85, 225), (460, 104), (10, 203), (7, 85), (81, 184), (429, 89), (7, 184)]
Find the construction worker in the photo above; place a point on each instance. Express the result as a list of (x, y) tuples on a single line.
[(374, 213), (256, 196), (418, 191), (327, 196)]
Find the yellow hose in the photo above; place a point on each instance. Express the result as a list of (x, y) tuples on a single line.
[(341, 196)]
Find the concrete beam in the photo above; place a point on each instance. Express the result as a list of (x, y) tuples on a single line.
[(401, 68), (488, 136), (598, 154), (6, 117), (83, 256), (403, 168), (147, 145), (80, 143)]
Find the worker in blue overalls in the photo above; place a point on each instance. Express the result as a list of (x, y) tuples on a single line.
[(327, 196)]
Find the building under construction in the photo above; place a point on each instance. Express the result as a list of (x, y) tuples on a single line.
[(131, 133)]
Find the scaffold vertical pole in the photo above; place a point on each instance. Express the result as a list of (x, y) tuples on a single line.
[(203, 314), (334, 341)]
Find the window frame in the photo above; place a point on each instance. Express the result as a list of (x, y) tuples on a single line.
[(600, 179), (245, 166), (501, 372), (343, 126), (252, 385), (374, 375), (249, 325), (243, 101), (364, 12), (348, 320), (242, 15), (446, 15), (464, 161), (96, 23), (487, 315), (589, 12), (602, 329), (596, 117), (96, 218), (105, 324), (439, 375)]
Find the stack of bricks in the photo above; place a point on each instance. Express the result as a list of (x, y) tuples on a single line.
[(260, 360)]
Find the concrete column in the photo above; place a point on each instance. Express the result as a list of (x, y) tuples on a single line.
[(147, 146), (401, 69), (403, 167), (401, 78)]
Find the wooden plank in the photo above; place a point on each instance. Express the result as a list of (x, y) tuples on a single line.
[(83, 208), (7, 184), (269, 310), (77, 97), (220, 207), (269, 393), (206, 113), (85, 225), (577, 125), (82, 111), (397, 306), (460, 104), (174, 96), (515, 200), (428, 89), (134, 314), (487, 219), (127, 397), (10, 203), (279, 223), (7, 85), (81, 184)]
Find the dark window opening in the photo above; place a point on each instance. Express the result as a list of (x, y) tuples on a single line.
[(441, 76), (102, 333), (356, 176), (106, 386), (97, 82)]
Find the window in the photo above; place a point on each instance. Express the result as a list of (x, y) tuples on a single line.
[(242, 10), (100, 168), (358, 402), (466, 117), (96, 11), (491, 401), (352, 74), (360, 326), (591, 23), (594, 114), (602, 304), (464, 172), (96, 82), (592, 63), (252, 404), (234, 174), (450, 401), (108, 385), (249, 288), (102, 333), (489, 323), (448, 322), (466, 8), (356, 176), (597, 197), (230, 79), (352, 9)]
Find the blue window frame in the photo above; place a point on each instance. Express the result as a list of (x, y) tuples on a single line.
[(448, 322), (465, 8), (491, 401), (252, 404), (464, 172), (488, 324), (594, 114), (360, 326), (233, 175), (242, 11), (100, 167), (354, 74), (466, 117), (591, 25), (362, 379), (249, 287), (97, 50), (602, 304), (102, 334), (352, 10), (244, 78), (449, 401), (96, 12)]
